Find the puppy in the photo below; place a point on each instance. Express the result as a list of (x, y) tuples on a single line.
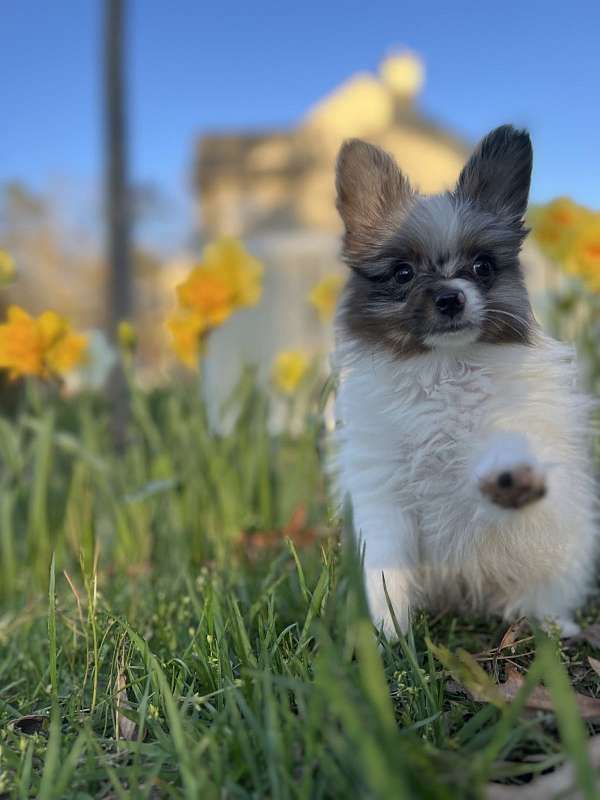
[(462, 439)]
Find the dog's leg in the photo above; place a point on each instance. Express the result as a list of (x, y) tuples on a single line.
[(550, 603), (387, 537)]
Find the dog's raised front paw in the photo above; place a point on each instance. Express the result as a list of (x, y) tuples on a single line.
[(514, 487)]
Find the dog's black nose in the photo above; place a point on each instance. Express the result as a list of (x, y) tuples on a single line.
[(450, 302)]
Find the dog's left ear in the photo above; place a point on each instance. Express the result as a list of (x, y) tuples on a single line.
[(498, 174)]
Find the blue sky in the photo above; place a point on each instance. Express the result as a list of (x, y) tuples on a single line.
[(195, 66)]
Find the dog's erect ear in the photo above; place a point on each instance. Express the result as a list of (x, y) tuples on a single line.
[(498, 174), (370, 188)]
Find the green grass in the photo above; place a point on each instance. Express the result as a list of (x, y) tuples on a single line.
[(160, 584)]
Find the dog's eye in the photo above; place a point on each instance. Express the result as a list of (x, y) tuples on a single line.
[(404, 273), (483, 268)]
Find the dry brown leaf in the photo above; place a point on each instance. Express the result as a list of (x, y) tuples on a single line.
[(126, 728), (296, 523), (256, 542), (512, 634), (508, 642), (484, 691), (546, 787), (594, 664), (540, 700)]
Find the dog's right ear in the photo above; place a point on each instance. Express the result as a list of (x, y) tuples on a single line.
[(370, 188), (498, 174)]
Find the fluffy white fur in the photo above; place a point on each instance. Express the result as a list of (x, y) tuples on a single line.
[(416, 437)]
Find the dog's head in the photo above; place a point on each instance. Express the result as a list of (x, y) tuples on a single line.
[(440, 271)]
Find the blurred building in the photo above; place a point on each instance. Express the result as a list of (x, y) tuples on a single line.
[(275, 190), (253, 185)]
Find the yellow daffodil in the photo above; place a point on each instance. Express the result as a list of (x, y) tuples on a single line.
[(21, 344), (241, 271), (556, 225), (323, 296), (207, 295), (68, 351), (126, 335), (7, 268), (187, 331), (226, 279), (583, 259), (570, 234), (289, 369), (44, 346)]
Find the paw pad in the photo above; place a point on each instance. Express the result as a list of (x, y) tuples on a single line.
[(515, 487)]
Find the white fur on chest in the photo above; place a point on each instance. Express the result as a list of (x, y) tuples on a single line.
[(413, 433), (422, 419)]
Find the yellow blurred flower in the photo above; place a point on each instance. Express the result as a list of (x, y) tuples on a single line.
[(67, 352), (207, 295), (7, 268), (226, 279), (187, 331), (556, 225), (44, 346), (323, 296), (583, 259), (241, 271), (126, 335), (289, 368)]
